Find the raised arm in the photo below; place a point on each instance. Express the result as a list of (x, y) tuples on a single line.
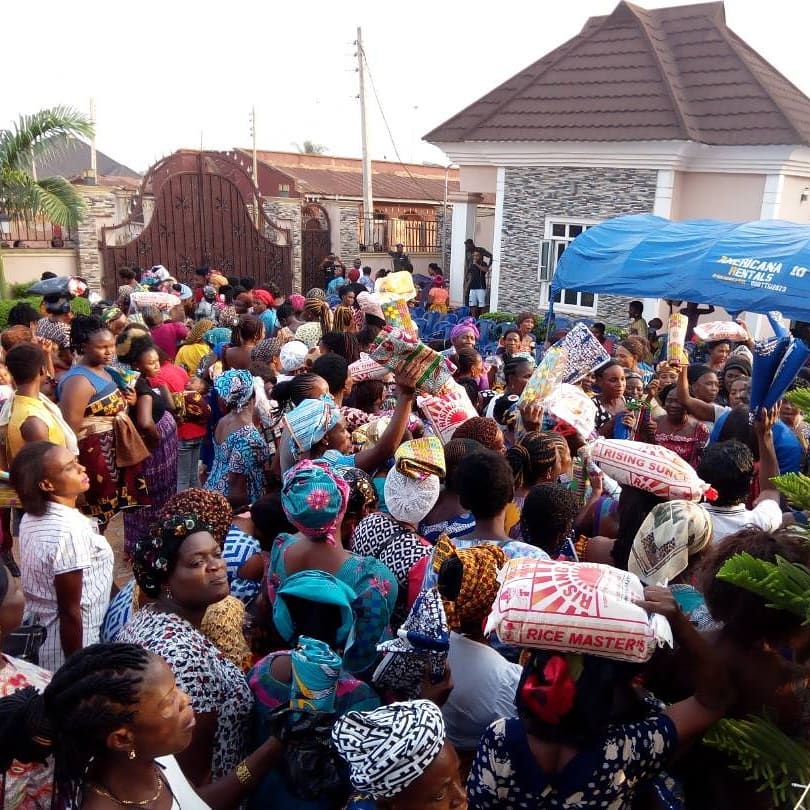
[(696, 407), (768, 465)]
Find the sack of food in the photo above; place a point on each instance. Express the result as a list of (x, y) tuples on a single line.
[(446, 411), (575, 607), (397, 350), (367, 369), (676, 337), (573, 406), (649, 467), (163, 301), (721, 330), (397, 314)]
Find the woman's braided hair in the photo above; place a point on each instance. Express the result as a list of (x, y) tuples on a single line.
[(95, 692)]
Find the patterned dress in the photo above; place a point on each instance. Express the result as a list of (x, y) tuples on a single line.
[(505, 774), (239, 548), (213, 683), (29, 786), (244, 452)]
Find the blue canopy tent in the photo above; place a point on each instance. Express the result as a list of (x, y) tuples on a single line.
[(749, 266)]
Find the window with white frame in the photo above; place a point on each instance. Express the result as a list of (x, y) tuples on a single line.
[(559, 232)]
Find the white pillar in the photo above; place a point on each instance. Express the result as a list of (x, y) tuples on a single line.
[(772, 196), (463, 227), (662, 207), (497, 231)]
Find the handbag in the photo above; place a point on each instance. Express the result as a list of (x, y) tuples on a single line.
[(25, 642)]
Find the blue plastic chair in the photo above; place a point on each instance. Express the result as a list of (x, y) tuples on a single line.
[(451, 317), (503, 328), (417, 312), (462, 312), (488, 330)]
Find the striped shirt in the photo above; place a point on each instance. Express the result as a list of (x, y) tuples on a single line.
[(61, 541)]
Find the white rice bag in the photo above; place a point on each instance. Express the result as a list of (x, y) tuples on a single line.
[(721, 330), (649, 467), (575, 607)]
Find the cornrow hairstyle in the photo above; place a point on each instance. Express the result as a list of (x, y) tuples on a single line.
[(548, 515), (342, 343), (248, 327), (532, 458), (82, 328), (95, 692), (512, 365), (290, 393), (465, 361)]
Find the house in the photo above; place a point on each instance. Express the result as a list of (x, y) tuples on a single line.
[(321, 193), (665, 111)]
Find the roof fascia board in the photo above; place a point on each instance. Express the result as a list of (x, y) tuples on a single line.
[(677, 155)]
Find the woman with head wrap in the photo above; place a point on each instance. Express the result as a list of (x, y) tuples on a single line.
[(581, 737), (114, 319), (363, 500), (223, 620), (318, 321), (393, 538), (179, 565), (399, 758), (484, 682), (315, 429), (314, 499), (666, 551), (448, 516), (314, 616), (194, 347), (240, 451)]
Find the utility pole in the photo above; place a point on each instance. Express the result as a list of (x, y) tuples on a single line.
[(93, 162), (255, 161), (368, 202)]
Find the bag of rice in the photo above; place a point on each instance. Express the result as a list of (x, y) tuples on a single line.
[(574, 407), (367, 369), (446, 411), (575, 607), (396, 350), (649, 467), (721, 330)]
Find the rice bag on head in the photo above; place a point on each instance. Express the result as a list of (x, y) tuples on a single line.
[(446, 411), (721, 330), (397, 286), (650, 467), (676, 336), (574, 407), (419, 649), (397, 350), (367, 369), (575, 607), (163, 301)]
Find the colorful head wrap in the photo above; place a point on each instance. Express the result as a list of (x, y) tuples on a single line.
[(154, 557), (297, 301), (219, 334), (308, 423), (362, 494), (264, 296), (391, 747), (235, 387), (409, 499), (479, 581), (419, 458), (670, 534), (314, 499), (462, 328), (370, 304), (316, 292), (110, 314), (314, 586), (198, 331)]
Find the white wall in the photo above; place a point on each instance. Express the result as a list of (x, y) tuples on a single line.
[(791, 206), (711, 195), (478, 179), (28, 264)]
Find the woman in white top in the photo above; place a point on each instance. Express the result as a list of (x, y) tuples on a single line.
[(67, 566), (113, 718)]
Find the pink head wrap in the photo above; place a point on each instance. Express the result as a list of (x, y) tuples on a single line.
[(464, 327)]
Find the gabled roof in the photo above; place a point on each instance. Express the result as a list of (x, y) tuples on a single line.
[(329, 176), (75, 160), (674, 73)]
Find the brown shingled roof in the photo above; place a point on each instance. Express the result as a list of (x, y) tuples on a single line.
[(329, 176), (674, 73)]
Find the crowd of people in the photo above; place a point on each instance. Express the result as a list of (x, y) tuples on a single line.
[(309, 569)]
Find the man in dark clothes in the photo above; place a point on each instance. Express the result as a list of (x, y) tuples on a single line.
[(400, 258), (476, 277)]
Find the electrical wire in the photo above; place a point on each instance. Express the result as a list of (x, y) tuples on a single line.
[(385, 121)]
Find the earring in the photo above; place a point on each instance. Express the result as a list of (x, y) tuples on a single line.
[(131, 754), (169, 594)]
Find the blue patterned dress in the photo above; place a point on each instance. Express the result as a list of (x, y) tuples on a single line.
[(238, 549), (505, 774), (244, 452)]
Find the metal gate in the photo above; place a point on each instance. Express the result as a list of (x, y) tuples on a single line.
[(316, 244), (199, 209)]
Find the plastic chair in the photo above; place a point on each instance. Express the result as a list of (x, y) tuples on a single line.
[(503, 328), (417, 312), (462, 312), (488, 330), (451, 317)]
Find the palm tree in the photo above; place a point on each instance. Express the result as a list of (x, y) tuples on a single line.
[(40, 136), (310, 148)]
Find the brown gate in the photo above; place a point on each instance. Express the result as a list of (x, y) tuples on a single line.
[(202, 215), (315, 244)]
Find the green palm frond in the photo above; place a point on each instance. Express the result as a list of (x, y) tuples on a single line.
[(800, 397), (795, 487), (42, 136)]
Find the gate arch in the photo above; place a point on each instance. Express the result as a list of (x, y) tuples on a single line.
[(198, 209), (316, 244)]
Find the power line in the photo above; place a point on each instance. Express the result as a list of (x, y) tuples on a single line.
[(388, 128)]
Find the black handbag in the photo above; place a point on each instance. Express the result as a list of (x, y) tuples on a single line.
[(25, 642)]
